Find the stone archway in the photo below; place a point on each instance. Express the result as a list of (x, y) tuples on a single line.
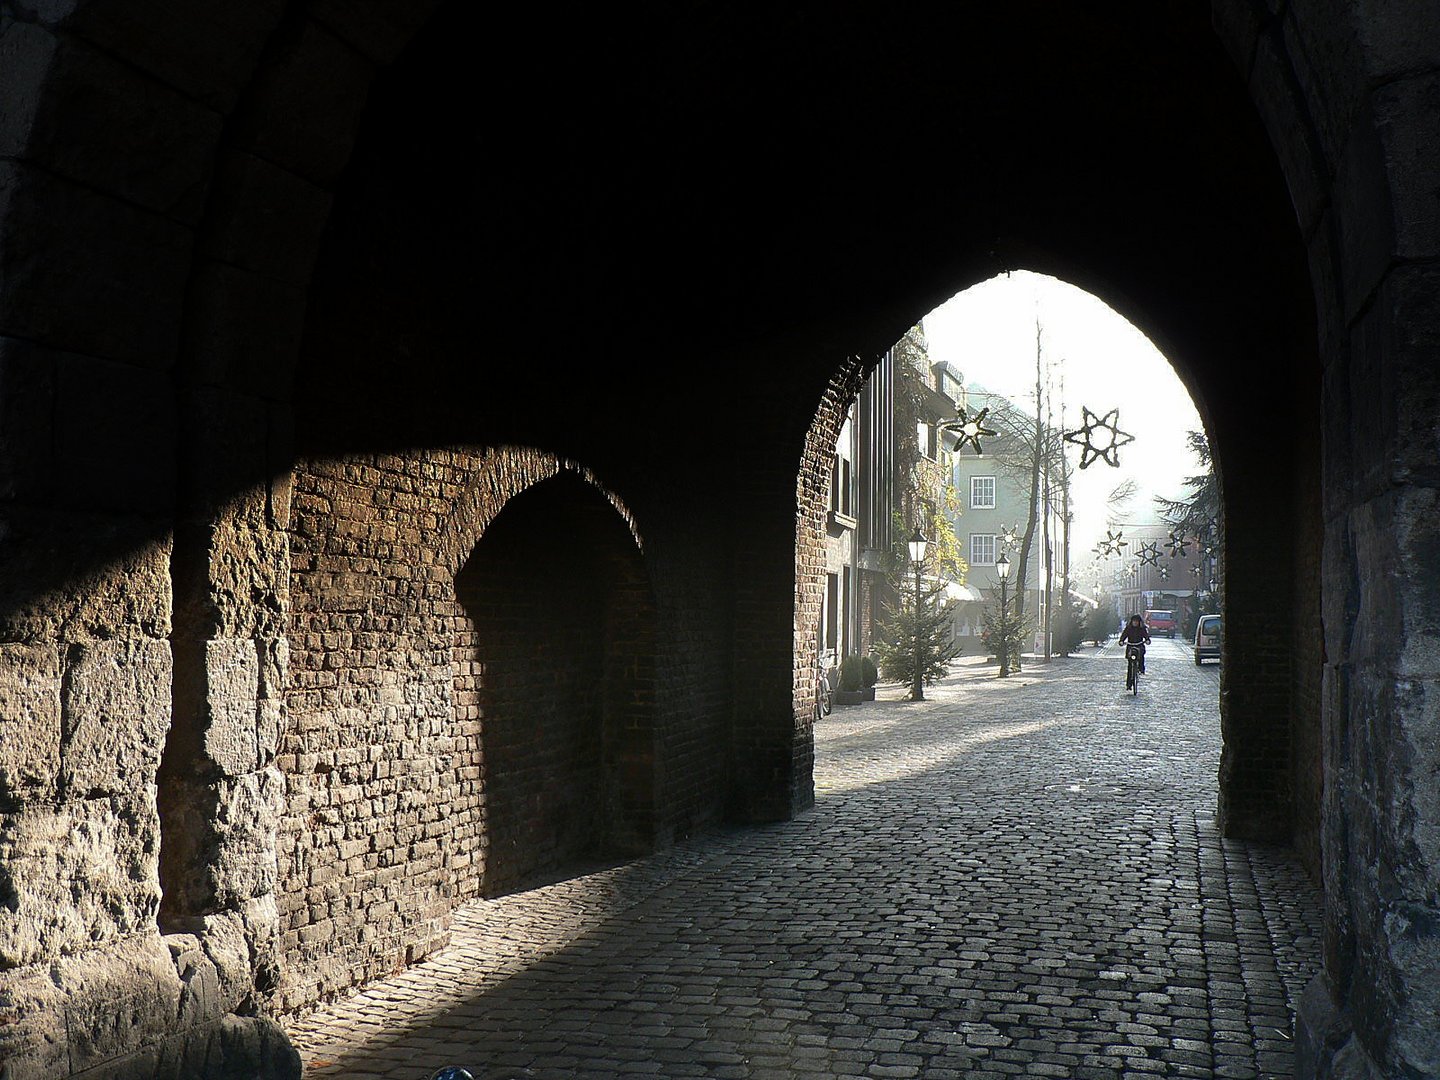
[(195, 158)]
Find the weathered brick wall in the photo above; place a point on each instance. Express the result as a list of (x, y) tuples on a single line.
[(471, 698)]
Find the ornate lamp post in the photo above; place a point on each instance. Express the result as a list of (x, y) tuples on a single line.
[(918, 543), (1002, 571)]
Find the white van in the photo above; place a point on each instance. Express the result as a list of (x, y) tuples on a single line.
[(1207, 639)]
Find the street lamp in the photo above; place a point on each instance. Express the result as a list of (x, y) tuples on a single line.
[(1002, 570), (918, 543)]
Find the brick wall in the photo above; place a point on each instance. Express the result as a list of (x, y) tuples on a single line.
[(391, 764)]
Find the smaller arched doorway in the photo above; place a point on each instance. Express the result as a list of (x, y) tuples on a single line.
[(554, 659)]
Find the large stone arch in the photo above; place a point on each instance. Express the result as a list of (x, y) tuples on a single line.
[(191, 157)]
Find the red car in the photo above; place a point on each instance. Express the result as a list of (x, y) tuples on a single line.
[(1161, 622)]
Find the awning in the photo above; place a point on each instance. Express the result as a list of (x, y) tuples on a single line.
[(956, 591)]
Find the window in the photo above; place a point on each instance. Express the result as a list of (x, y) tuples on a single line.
[(982, 493), (982, 549)]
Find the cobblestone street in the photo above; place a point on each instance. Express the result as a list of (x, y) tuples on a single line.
[(1011, 878)]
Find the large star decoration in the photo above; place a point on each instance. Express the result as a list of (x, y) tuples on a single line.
[(970, 429), (1099, 438), (1113, 544), (1149, 554), (1178, 545)]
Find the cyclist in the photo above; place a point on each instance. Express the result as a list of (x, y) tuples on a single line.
[(1136, 633)]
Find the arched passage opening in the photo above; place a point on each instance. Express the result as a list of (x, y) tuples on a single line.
[(554, 660), (1261, 543)]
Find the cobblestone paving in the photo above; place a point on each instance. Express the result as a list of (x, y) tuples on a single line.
[(1017, 878)]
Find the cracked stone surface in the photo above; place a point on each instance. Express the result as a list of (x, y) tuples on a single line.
[(1017, 877)]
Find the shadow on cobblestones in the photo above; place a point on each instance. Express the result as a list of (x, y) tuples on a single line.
[(1012, 878)]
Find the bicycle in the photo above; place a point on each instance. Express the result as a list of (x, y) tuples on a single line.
[(1132, 668), (824, 692)]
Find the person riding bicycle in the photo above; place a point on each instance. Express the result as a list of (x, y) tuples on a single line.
[(1136, 633)]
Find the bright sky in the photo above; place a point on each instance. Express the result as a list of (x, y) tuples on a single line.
[(988, 333)]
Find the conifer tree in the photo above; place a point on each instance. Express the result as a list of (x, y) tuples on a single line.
[(932, 625)]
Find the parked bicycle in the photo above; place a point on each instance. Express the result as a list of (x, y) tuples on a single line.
[(824, 687)]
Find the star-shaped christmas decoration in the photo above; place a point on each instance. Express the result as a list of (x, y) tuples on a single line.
[(969, 429), (1113, 544), (1178, 544), (1195, 570), (1099, 438), (1008, 535), (1164, 571), (1149, 554)]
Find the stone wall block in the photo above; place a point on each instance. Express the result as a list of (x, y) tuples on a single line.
[(1379, 612), (89, 273), (115, 711), (1393, 861), (235, 1048), (271, 712), (1410, 301), (1286, 116), (225, 942), (27, 410), (1238, 25), (115, 432), (232, 684), (112, 1010), (29, 722), (1320, 39), (1337, 593), (273, 219), (1322, 246), (1338, 464), (244, 864), (1364, 216), (378, 30), (1399, 37), (245, 329), (77, 876), (1416, 653), (1405, 114), (26, 53), (209, 54), (113, 127), (71, 575), (305, 106), (33, 1044), (1339, 942)]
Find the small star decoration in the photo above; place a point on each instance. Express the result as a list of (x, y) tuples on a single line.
[(1195, 571), (1099, 438), (1113, 544), (1178, 544), (1164, 571), (970, 429), (1149, 554)]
